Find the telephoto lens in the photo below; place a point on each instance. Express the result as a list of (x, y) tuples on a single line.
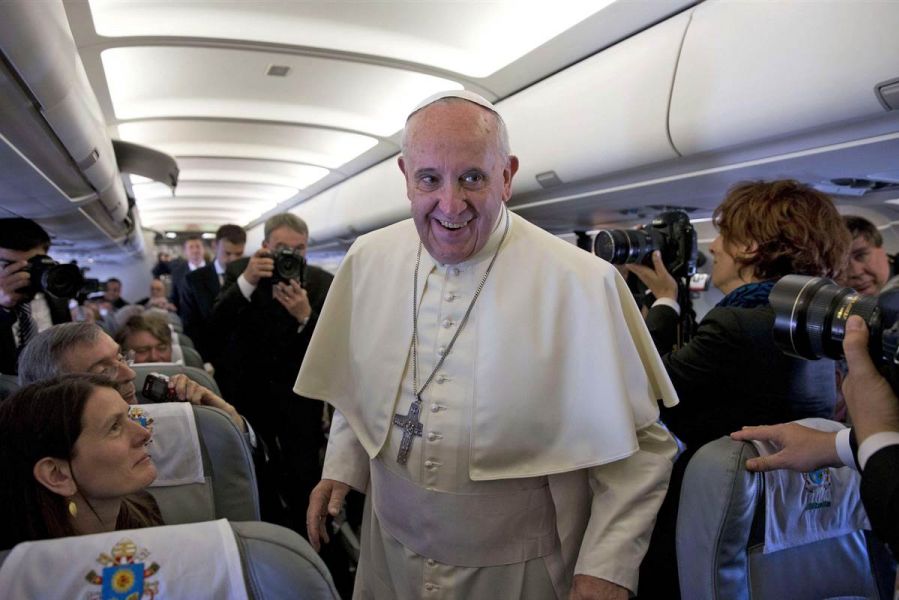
[(621, 246), (811, 313)]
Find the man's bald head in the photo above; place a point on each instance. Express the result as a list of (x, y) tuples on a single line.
[(498, 125)]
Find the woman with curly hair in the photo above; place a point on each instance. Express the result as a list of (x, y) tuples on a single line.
[(731, 373)]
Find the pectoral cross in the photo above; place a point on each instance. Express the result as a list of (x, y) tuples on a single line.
[(411, 427)]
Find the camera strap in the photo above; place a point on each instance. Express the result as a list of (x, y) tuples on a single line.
[(27, 326), (409, 422)]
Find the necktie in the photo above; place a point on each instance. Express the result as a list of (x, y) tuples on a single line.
[(27, 327)]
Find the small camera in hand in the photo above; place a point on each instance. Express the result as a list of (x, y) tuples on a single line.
[(289, 265), (156, 388)]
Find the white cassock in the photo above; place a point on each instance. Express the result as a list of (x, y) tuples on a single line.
[(540, 455)]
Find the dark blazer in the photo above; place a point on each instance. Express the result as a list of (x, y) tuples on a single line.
[(59, 313), (198, 293), (179, 269), (259, 337), (733, 374), (880, 495)]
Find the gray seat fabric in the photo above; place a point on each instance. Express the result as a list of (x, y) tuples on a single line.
[(185, 342), (192, 358), (175, 322), (8, 384), (197, 374), (277, 563), (230, 490), (720, 538)]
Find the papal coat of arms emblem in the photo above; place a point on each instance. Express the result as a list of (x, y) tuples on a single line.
[(125, 574)]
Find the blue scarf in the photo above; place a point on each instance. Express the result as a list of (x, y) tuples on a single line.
[(749, 295)]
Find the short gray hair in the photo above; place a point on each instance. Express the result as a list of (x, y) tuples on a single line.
[(43, 357), (285, 220), (502, 132)]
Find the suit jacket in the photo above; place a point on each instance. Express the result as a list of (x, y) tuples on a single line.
[(880, 495), (198, 293), (261, 348), (9, 355), (179, 269), (733, 374)]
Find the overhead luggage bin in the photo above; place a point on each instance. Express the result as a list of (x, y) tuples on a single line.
[(605, 114), (752, 71)]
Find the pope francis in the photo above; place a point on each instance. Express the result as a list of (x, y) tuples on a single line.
[(496, 390)]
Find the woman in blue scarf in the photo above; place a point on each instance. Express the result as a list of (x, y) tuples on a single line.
[(731, 373)]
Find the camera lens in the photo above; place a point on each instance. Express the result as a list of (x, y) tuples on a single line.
[(62, 281), (620, 246), (811, 313)]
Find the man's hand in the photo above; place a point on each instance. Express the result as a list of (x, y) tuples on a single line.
[(261, 265), (659, 281), (326, 499), (587, 587), (872, 404), (12, 279), (800, 448), (294, 299), (188, 390)]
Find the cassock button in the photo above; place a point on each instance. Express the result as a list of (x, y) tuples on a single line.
[(432, 436), (447, 323), (455, 271), (429, 587), (431, 562), (441, 350), (449, 297), (435, 407), (442, 378), (429, 464)]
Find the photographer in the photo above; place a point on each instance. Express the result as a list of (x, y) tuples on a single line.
[(731, 373), (263, 320), (874, 409), (24, 310)]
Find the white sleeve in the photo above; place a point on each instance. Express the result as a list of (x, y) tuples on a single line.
[(627, 495), (844, 448), (246, 288), (669, 302), (345, 458), (875, 442)]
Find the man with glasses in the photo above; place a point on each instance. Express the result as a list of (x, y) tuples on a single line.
[(262, 322), (86, 348)]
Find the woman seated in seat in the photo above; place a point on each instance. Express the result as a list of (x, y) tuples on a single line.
[(149, 337), (72, 462)]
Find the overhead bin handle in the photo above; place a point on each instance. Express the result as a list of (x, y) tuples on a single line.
[(888, 94), (146, 162)]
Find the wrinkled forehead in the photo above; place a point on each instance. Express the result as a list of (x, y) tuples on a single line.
[(84, 356)]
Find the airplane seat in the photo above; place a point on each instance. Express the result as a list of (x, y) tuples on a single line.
[(8, 384), (191, 357), (721, 535), (185, 342), (175, 322), (252, 560), (205, 467), (169, 369)]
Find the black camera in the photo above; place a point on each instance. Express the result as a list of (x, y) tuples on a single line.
[(670, 232), (156, 388), (48, 276), (811, 314), (289, 264)]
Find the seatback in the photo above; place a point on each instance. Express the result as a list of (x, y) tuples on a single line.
[(185, 342), (721, 541), (275, 562), (8, 384), (229, 487), (197, 374), (192, 358)]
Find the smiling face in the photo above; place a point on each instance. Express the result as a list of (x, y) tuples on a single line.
[(102, 356), (869, 266), (457, 177), (109, 458)]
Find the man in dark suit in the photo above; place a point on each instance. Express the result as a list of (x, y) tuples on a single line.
[(24, 312), (202, 286), (194, 258), (264, 330)]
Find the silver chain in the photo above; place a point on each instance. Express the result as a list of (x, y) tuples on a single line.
[(461, 323)]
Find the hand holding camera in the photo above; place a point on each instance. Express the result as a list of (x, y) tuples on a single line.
[(260, 267), (161, 388), (21, 280), (13, 281)]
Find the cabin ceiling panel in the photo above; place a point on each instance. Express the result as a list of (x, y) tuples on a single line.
[(167, 81), (299, 144), (475, 40), (255, 171), (215, 189)]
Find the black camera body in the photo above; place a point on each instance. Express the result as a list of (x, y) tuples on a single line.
[(289, 265), (670, 232), (50, 277), (156, 388), (811, 314)]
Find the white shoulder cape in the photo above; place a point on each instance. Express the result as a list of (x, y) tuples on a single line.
[(566, 369)]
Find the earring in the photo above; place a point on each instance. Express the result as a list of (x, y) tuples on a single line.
[(73, 508)]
